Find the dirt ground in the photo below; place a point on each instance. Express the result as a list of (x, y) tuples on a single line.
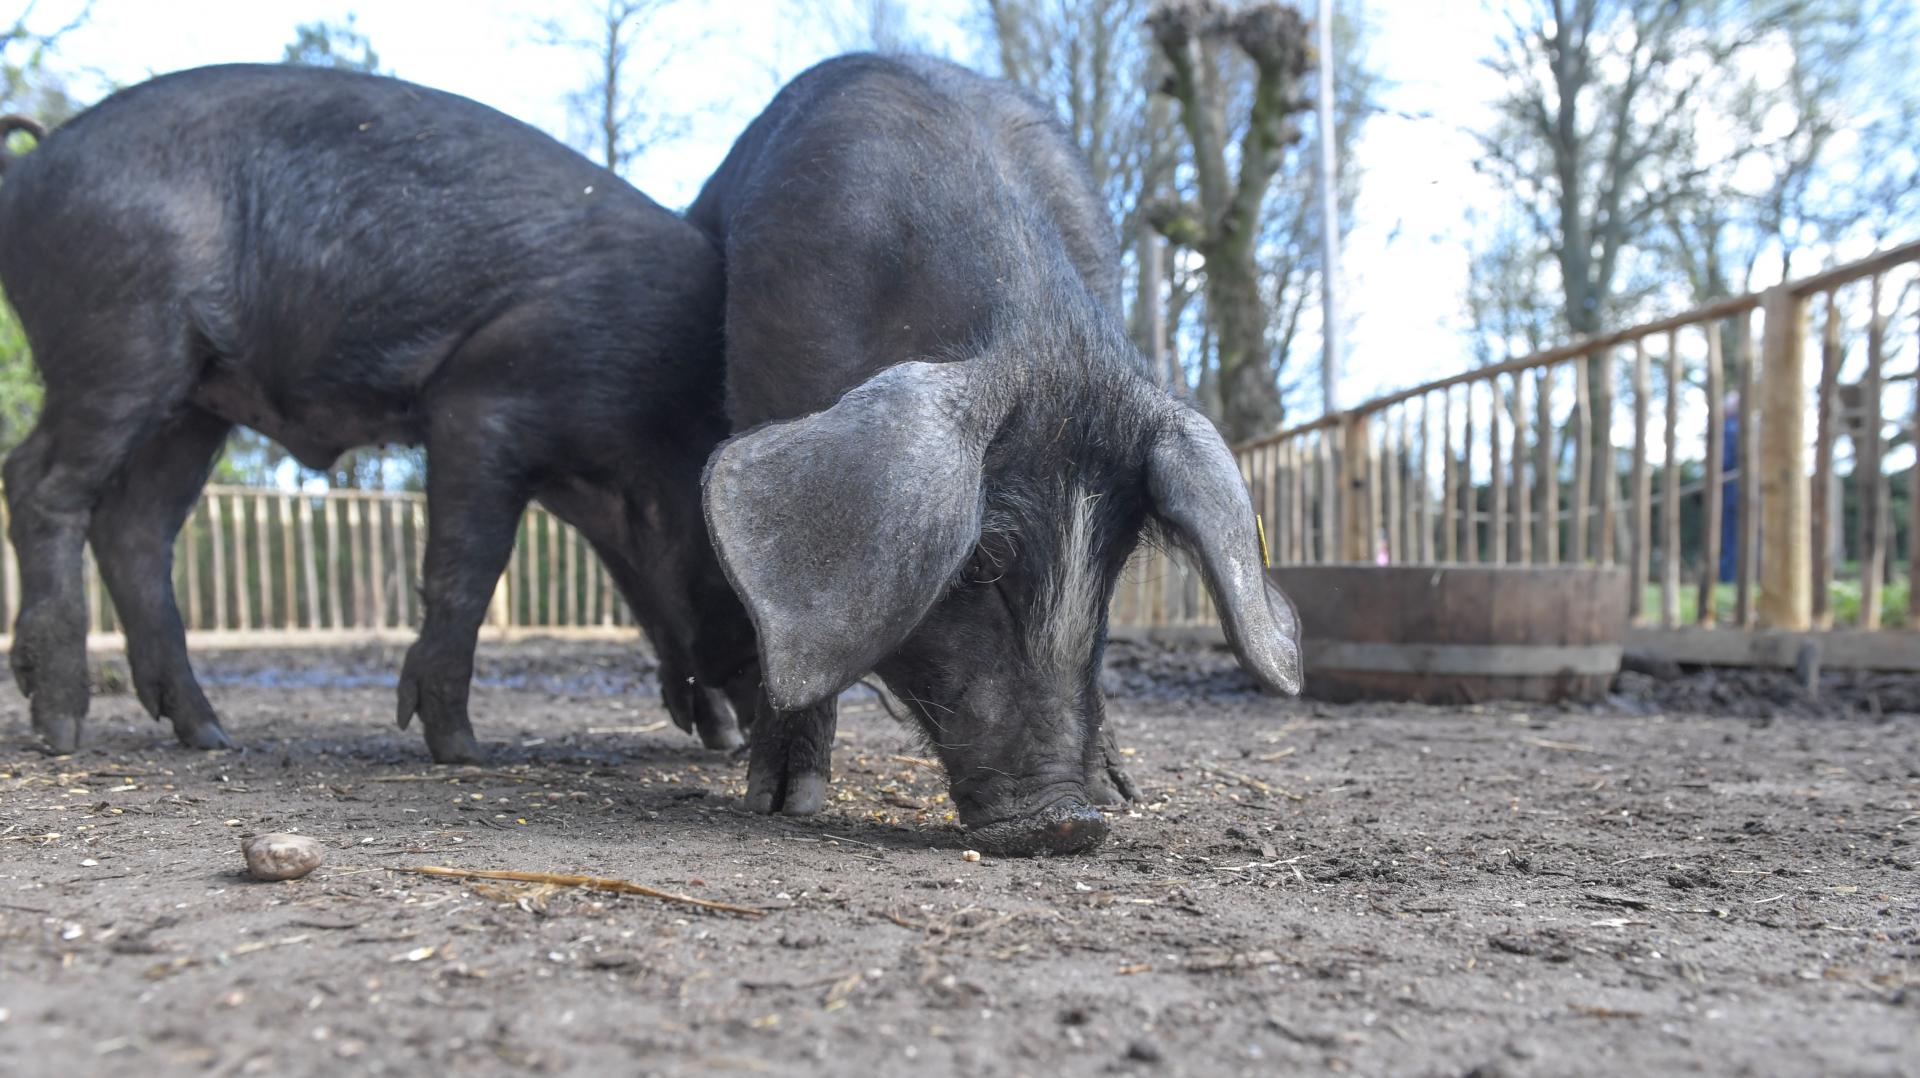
[(1714, 875)]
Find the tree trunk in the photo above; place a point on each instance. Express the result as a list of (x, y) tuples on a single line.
[(1149, 306), (1249, 395)]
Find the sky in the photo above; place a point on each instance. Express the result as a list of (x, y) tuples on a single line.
[(1405, 266)]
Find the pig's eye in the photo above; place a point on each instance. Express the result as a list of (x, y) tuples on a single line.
[(981, 569), (989, 562)]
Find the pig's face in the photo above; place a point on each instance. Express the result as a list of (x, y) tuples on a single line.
[(1003, 671), (959, 528)]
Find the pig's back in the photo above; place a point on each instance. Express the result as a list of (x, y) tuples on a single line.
[(308, 211), (883, 209)]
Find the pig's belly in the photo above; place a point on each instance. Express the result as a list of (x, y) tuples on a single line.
[(319, 428)]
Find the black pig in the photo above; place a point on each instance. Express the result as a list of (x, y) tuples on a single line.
[(950, 446), (338, 260)]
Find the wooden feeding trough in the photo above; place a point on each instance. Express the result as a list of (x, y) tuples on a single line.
[(1456, 634)]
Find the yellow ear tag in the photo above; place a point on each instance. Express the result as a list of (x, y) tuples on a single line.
[(1260, 526)]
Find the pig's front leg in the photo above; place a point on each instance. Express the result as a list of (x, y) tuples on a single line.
[(472, 512), (133, 531), (790, 758)]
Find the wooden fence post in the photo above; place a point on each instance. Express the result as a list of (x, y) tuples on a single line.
[(216, 534), (1357, 544), (242, 573), (1577, 547), (289, 601), (1449, 483), (1786, 571), (1747, 535), (192, 559), (1824, 492), (1870, 494), (500, 609), (1546, 468), (1642, 487), (1522, 497), (9, 572), (1497, 475), (1469, 534), (1716, 467), (1331, 543), (309, 566), (1670, 492), (263, 548), (1913, 517), (1609, 476)]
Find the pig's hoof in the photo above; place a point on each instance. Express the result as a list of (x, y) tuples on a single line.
[(59, 734), (1102, 793), (23, 671), (1110, 787), (705, 712), (800, 794), (1069, 828), (722, 735), (205, 735), (454, 747), (762, 801), (806, 794)]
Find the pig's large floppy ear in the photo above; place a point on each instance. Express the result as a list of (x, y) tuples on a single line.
[(1198, 493), (842, 529)]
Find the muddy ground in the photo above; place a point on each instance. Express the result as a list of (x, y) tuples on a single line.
[(1714, 875)]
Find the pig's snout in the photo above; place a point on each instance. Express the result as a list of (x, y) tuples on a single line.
[(1070, 826)]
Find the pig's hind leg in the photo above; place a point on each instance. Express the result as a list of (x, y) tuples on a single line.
[(88, 426), (474, 502), (132, 532)]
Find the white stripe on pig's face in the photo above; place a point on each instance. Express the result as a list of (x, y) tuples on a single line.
[(1069, 615)]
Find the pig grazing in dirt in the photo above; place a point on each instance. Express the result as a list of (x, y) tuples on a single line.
[(339, 260), (949, 445)]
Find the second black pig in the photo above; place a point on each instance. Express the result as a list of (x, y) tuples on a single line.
[(338, 260)]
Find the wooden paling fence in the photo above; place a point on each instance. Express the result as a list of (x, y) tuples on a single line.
[(1637, 447), (265, 567)]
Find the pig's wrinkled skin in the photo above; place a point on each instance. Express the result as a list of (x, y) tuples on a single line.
[(338, 260), (949, 446)]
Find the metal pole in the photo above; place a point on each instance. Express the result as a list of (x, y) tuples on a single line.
[(1329, 218)]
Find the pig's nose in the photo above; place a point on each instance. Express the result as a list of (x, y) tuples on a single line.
[(1075, 827)]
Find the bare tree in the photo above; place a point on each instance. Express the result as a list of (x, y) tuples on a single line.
[(1093, 61), (26, 84), (1090, 59), (874, 25), (1597, 141), (1223, 223), (1594, 139), (1511, 312), (1818, 146), (617, 125), (1643, 140), (336, 45)]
